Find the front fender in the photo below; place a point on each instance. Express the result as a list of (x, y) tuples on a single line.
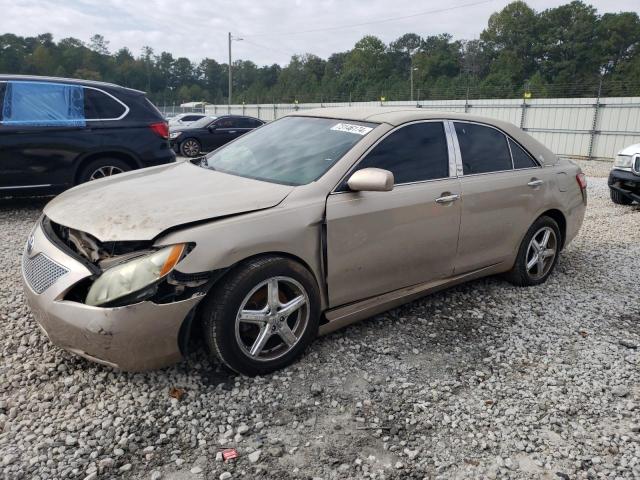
[(293, 231)]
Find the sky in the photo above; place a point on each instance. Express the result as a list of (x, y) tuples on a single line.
[(271, 31)]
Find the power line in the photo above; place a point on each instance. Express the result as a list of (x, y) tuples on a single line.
[(372, 22)]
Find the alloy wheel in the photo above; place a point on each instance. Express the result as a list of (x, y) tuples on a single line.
[(105, 171), (272, 318), (191, 148), (541, 252)]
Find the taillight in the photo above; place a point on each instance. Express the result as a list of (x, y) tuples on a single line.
[(161, 129), (582, 181)]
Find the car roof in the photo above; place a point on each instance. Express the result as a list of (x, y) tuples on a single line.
[(399, 115), (74, 81)]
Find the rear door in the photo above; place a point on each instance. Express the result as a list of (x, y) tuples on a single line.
[(499, 202), (378, 242), (42, 130)]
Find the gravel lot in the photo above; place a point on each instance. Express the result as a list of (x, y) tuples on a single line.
[(482, 381)]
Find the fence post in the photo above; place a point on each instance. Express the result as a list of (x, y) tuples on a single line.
[(594, 124), (275, 112), (215, 110), (243, 108), (466, 100), (258, 108), (523, 113)]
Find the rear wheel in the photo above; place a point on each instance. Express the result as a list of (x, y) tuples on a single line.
[(102, 167), (618, 198), (538, 253), (263, 316), (190, 147)]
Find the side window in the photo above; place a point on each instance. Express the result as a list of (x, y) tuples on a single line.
[(483, 149), (247, 123), (413, 153), (225, 123), (42, 104), (100, 106), (521, 159)]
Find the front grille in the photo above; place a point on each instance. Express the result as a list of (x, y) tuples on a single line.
[(41, 272)]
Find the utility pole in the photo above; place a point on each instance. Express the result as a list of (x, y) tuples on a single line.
[(230, 39)]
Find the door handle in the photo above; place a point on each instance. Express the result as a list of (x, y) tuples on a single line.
[(447, 198), (232, 131), (535, 183)]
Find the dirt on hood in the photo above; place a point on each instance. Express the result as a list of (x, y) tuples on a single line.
[(140, 205)]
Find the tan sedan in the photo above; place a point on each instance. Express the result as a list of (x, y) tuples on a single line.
[(305, 225)]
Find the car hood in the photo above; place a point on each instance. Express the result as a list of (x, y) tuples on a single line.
[(630, 150), (142, 204)]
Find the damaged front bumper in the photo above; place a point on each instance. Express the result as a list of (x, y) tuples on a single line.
[(136, 337)]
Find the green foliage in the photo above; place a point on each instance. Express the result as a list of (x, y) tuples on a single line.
[(562, 51)]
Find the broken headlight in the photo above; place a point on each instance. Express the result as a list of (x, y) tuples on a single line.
[(133, 277)]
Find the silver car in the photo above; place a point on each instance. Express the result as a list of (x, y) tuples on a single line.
[(303, 226)]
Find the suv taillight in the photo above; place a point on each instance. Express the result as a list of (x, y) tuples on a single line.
[(161, 129), (582, 181)]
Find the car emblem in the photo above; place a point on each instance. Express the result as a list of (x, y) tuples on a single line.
[(30, 242)]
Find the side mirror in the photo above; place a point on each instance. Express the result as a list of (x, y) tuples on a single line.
[(371, 180), (212, 128)]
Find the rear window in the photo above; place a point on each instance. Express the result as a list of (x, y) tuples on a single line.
[(483, 149), (100, 106)]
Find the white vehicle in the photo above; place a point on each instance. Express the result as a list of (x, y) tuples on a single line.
[(185, 119), (624, 179)]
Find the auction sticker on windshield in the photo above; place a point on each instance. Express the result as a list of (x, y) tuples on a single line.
[(351, 128)]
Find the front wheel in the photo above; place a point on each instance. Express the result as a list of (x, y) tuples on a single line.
[(263, 315), (537, 255)]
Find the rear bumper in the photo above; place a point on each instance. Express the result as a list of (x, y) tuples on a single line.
[(135, 337)]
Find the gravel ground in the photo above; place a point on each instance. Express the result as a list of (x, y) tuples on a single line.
[(482, 381)]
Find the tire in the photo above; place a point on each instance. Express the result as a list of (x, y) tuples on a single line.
[(190, 147), (102, 167), (618, 198), (528, 253), (236, 341)]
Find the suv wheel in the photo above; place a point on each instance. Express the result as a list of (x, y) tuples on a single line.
[(538, 253), (190, 147), (263, 315), (102, 167), (618, 198)]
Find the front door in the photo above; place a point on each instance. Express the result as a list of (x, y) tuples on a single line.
[(378, 242)]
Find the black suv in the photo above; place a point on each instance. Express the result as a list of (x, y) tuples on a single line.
[(209, 133), (59, 132)]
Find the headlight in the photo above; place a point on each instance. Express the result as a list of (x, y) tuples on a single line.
[(133, 276), (173, 135), (623, 161)]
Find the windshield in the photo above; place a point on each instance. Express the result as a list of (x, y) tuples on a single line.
[(292, 150)]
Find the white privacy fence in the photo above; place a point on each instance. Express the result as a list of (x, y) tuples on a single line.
[(574, 127)]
